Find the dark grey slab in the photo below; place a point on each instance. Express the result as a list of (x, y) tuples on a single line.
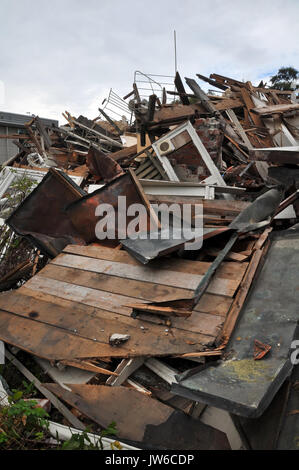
[(289, 433), (262, 433), (167, 241), (241, 385)]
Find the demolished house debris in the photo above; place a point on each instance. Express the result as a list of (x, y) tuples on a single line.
[(150, 324)]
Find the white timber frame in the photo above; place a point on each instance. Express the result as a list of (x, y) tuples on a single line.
[(215, 177)]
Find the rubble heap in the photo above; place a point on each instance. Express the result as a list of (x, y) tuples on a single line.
[(150, 325)]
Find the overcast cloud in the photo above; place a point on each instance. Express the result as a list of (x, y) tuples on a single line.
[(65, 55)]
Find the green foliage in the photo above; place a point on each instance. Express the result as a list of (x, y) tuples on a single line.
[(21, 422), (28, 388), (82, 441), (284, 78), (12, 246), (24, 425), (19, 190)]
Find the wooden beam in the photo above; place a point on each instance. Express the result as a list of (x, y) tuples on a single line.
[(124, 370)]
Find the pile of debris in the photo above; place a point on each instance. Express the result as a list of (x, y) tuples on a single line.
[(158, 325)]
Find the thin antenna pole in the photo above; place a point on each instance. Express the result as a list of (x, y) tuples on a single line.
[(175, 56)]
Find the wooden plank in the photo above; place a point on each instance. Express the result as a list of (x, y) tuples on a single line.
[(124, 370), (274, 109), (93, 297), (200, 322), (128, 271), (47, 341), (210, 303), (152, 214), (155, 424), (255, 118), (229, 103), (181, 89), (42, 323), (162, 370), (64, 375), (237, 305), (228, 270), (127, 152), (137, 386), (231, 255), (170, 278), (127, 287), (231, 114), (85, 365), (213, 304)]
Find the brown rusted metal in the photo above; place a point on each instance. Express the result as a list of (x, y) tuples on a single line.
[(41, 217), (260, 349), (82, 212), (102, 166)]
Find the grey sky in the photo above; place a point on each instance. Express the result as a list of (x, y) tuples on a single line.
[(65, 55)]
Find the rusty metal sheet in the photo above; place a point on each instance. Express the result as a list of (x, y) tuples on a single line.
[(41, 217), (154, 424), (102, 166), (82, 212)]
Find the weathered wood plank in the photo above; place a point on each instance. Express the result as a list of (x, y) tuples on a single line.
[(155, 424), (93, 297), (170, 278), (239, 300), (124, 370), (274, 109), (52, 343), (228, 270), (90, 323), (47, 341), (213, 304), (198, 322), (210, 303), (128, 287), (228, 104)]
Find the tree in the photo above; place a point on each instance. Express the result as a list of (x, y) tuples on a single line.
[(284, 79)]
